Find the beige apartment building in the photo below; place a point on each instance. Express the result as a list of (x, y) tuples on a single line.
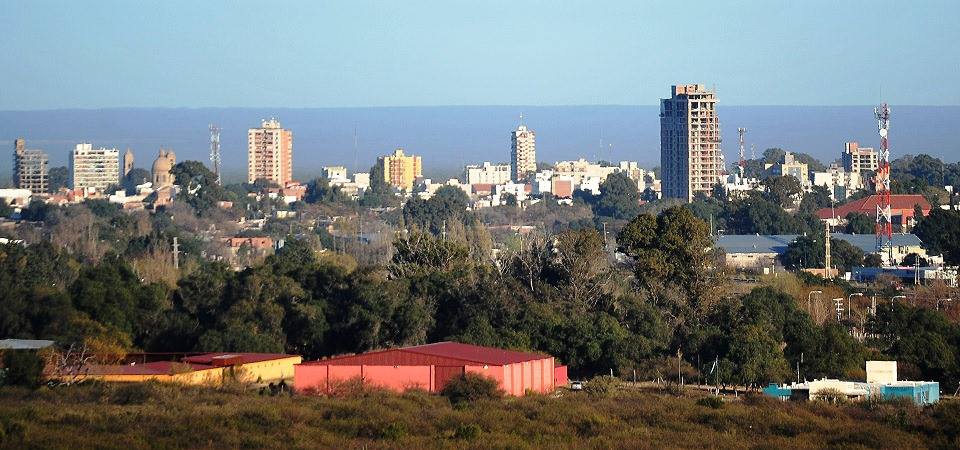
[(690, 155), (95, 168), (523, 153), (400, 170), (29, 168), (270, 153), (859, 159)]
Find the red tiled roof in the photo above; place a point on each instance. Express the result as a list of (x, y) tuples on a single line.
[(217, 359), (868, 206)]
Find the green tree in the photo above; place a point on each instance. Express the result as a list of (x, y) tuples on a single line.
[(859, 223), (618, 198), (137, 176), (58, 177), (782, 190), (380, 193), (23, 368), (757, 355), (817, 198), (198, 186), (940, 233), (320, 191)]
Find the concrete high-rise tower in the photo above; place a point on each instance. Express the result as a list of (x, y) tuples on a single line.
[(690, 155), (270, 153), (523, 152), (96, 168), (127, 162), (29, 168)]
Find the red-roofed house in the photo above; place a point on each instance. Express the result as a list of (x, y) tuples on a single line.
[(901, 209), (430, 367)]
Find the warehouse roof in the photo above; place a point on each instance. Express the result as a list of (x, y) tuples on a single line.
[(434, 354), (868, 242), (24, 344), (222, 359), (755, 243)]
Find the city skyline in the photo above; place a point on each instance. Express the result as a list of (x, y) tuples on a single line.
[(368, 54)]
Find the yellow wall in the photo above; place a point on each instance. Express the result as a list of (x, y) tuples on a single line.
[(271, 371)]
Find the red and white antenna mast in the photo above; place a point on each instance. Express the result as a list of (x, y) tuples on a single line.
[(884, 224)]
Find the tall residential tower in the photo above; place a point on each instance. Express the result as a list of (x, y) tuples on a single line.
[(94, 167), (690, 155), (270, 153), (523, 152), (400, 170), (29, 168)]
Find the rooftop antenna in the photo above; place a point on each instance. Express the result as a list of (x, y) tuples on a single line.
[(215, 151), (742, 167)]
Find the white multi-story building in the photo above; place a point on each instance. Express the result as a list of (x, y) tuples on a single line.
[(523, 153), (94, 168), (488, 173), (690, 155), (335, 173), (581, 169), (839, 182)]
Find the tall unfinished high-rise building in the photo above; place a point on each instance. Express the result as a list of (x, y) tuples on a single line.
[(29, 168), (523, 152), (270, 153), (690, 155)]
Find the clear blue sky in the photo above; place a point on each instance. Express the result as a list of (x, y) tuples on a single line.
[(92, 54)]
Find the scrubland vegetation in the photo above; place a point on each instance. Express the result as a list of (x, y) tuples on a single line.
[(152, 415)]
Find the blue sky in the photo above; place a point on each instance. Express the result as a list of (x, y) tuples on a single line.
[(95, 54)]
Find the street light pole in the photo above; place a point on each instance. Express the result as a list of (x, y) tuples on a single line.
[(809, 297)]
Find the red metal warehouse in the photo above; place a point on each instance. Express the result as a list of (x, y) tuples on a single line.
[(430, 366)]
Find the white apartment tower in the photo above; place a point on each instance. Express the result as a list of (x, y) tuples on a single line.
[(690, 155), (270, 153), (95, 168), (523, 152)]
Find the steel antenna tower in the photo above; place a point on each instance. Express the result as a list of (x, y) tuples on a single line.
[(884, 224), (215, 150), (743, 165)]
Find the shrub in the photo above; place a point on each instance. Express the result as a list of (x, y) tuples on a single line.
[(23, 368), (832, 396), (471, 387), (711, 402), (468, 432), (601, 386)]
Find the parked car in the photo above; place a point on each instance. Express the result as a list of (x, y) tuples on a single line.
[(576, 385)]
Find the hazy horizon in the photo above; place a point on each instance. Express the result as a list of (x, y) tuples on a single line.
[(449, 137)]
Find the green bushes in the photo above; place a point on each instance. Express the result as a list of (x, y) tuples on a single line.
[(471, 387), (22, 368), (602, 386), (711, 402)]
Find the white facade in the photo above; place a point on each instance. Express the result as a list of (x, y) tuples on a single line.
[(840, 183), (859, 159), (581, 170), (335, 173), (488, 173), (94, 168)]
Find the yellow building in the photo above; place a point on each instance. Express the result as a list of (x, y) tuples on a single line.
[(205, 369), (399, 170)]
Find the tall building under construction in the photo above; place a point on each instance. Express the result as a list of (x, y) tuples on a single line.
[(270, 153), (690, 155), (29, 168)]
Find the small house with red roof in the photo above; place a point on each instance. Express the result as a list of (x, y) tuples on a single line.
[(902, 208), (431, 366)]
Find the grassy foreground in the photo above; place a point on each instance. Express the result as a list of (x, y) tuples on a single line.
[(160, 416)]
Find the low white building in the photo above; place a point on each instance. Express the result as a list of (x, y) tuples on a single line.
[(487, 173), (17, 198), (336, 173), (840, 183)]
